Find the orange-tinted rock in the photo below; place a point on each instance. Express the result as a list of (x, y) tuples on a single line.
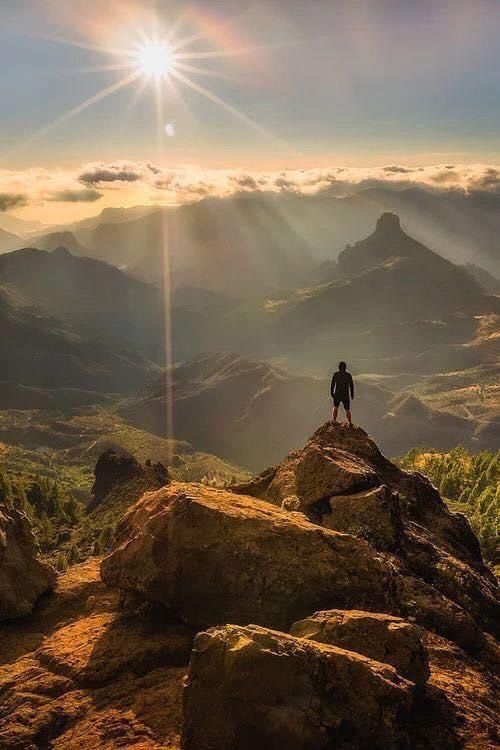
[(373, 515), (95, 649), (82, 674), (24, 576), (216, 557), (341, 480), (436, 612), (381, 637), (249, 687)]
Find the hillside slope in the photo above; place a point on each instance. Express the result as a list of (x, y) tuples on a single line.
[(38, 351), (253, 413), (95, 299)]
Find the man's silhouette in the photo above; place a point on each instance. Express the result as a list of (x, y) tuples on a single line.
[(342, 390)]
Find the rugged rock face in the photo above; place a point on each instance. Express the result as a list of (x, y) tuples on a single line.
[(443, 577), (84, 673), (23, 574), (373, 515), (335, 461), (383, 638), (216, 557), (95, 669), (252, 687), (316, 473), (114, 468)]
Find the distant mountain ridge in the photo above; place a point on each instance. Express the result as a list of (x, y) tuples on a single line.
[(39, 352), (242, 229), (383, 283), (8, 240), (253, 413), (391, 305), (483, 277), (54, 240), (94, 298)]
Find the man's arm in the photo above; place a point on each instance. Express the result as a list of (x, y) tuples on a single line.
[(332, 387), (351, 385)]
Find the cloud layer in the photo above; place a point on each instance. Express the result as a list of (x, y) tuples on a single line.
[(151, 183)]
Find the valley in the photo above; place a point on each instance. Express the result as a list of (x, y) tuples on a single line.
[(84, 369)]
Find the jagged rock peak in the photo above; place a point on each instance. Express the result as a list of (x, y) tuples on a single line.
[(388, 223), (341, 481), (114, 468)]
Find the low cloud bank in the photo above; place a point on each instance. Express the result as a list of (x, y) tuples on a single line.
[(152, 183)]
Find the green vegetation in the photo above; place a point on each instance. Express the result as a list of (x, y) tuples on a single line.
[(46, 469), (53, 512), (470, 483)]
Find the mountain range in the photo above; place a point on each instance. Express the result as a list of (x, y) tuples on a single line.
[(263, 241), (8, 240), (94, 299), (390, 297), (253, 413), (390, 305), (400, 313), (39, 353)]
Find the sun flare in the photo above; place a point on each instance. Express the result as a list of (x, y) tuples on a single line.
[(155, 59)]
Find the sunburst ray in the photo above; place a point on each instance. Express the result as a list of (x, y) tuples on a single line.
[(99, 96), (233, 111)]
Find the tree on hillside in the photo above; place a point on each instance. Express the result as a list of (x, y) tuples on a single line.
[(470, 483)]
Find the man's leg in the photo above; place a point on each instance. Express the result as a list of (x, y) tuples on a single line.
[(335, 412), (348, 415)]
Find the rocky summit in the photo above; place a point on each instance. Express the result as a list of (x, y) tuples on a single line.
[(332, 602)]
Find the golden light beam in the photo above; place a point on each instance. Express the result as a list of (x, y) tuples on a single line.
[(233, 111), (57, 39), (99, 68), (167, 288), (137, 95), (213, 55), (203, 71), (75, 111)]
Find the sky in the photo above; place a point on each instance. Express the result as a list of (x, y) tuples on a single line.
[(259, 92)]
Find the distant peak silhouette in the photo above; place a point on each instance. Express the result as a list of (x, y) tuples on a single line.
[(388, 223)]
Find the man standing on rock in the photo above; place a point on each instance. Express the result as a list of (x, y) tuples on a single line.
[(342, 391)]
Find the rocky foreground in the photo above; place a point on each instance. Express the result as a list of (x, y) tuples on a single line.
[(331, 602)]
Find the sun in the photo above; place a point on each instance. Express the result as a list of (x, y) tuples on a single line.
[(155, 59)]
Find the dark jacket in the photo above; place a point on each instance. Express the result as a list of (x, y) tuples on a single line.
[(342, 385)]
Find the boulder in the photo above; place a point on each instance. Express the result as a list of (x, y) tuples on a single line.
[(373, 515), (114, 468), (310, 476), (216, 557), (381, 637), (249, 687), (24, 576)]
